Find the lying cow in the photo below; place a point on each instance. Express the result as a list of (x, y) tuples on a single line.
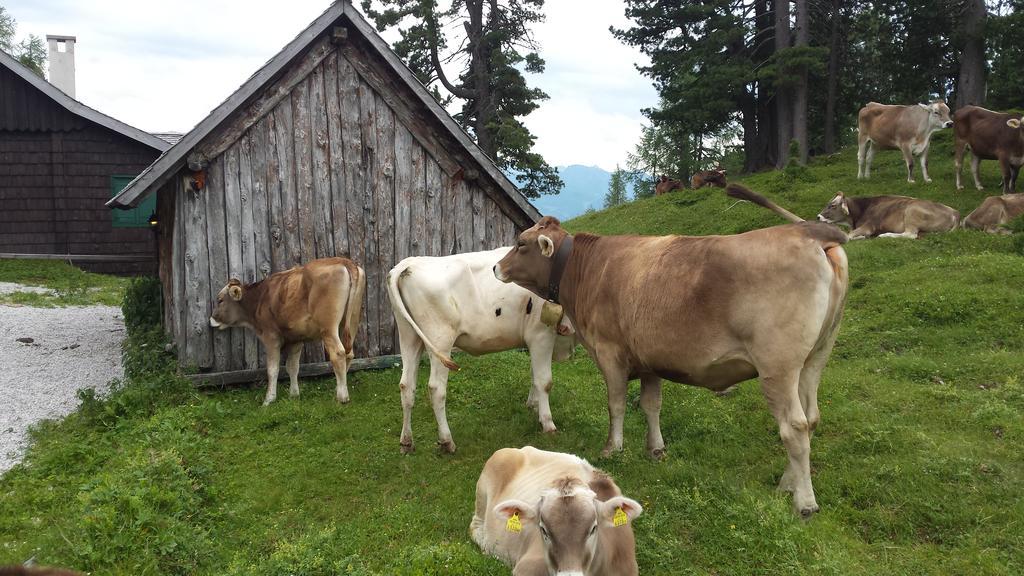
[(704, 178), (888, 216), (288, 308), (443, 302), (548, 514), (727, 308), (907, 128), (35, 571), (990, 136), (666, 185), (995, 212)]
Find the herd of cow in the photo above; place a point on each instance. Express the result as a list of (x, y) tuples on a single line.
[(765, 303)]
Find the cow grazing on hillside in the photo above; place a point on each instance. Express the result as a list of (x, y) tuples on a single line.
[(548, 514), (704, 178), (907, 128), (666, 185), (726, 309), (889, 216), (308, 302), (990, 136), (994, 212), (443, 302)]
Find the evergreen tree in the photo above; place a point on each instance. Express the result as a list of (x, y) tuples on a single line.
[(492, 48), (31, 51), (616, 189)]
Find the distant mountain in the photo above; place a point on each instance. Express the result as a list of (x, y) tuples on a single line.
[(585, 187)]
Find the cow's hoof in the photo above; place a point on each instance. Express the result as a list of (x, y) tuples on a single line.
[(406, 448), (343, 399), (806, 513), (657, 454), (268, 402), (447, 447)]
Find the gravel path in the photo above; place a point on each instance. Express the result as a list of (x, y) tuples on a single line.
[(70, 348)]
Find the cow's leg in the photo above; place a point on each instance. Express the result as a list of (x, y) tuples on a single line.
[(338, 357), (1014, 171), (781, 391), (861, 233), (541, 351), (908, 159), (650, 402), (862, 145), (910, 233), (438, 385), (412, 348), (869, 158), (958, 160), (615, 377), (294, 351), (975, 165), (1004, 163), (924, 164), (273, 368)]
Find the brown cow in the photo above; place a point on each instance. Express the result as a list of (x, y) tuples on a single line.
[(764, 303), (288, 308), (990, 136), (704, 178), (907, 128), (666, 185), (570, 518), (994, 212), (888, 216)]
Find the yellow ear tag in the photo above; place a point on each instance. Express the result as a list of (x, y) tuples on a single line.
[(620, 518), (514, 525)]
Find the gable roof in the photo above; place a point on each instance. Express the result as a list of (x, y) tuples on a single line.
[(77, 108), (172, 160)]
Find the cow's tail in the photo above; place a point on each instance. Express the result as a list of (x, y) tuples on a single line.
[(398, 304), (744, 193), (353, 307)]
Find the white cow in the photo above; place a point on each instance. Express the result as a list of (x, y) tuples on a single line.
[(443, 302)]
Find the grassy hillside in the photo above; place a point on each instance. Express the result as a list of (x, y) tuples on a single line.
[(917, 461)]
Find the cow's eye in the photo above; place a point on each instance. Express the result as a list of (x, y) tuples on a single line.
[(593, 529), (544, 533), (520, 244)]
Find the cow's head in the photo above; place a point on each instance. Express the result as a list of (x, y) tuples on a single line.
[(229, 311), (938, 115), (529, 263), (837, 211), (571, 522)]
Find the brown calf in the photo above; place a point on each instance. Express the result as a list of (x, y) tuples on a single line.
[(994, 212), (288, 308), (704, 178), (907, 128), (666, 185), (990, 136)]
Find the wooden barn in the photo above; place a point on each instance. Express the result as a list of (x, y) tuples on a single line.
[(332, 148), (60, 162)]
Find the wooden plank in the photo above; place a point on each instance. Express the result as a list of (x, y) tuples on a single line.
[(214, 379), (216, 234), (286, 174), (275, 211), (418, 204), (385, 218), (79, 257), (303, 150), (355, 174), (178, 273), (463, 217), (433, 198), (321, 192), (245, 189), (260, 200), (493, 224), (336, 150), (448, 245), (233, 233), (479, 218), (198, 346), (368, 131), (403, 191), (241, 121)]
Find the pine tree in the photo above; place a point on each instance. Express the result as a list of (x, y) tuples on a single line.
[(493, 48), (616, 189), (31, 51)]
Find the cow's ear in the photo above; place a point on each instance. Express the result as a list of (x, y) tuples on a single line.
[(925, 106), (506, 509), (235, 291), (1013, 123), (547, 246), (610, 509)]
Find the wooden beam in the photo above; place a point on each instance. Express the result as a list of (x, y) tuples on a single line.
[(218, 379), (80, 257)]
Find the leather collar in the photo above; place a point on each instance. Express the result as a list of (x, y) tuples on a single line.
[(558, 268)]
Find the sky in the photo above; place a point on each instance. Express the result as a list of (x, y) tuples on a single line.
[(163, 66)]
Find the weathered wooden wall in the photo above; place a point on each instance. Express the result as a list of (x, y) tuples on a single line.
[(331, 159)]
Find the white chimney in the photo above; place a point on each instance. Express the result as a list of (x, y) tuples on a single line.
[(62, 62)]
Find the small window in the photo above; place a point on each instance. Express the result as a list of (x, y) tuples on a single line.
[(137, 217)]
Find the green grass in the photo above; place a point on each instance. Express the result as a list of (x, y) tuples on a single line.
[(917, 463), (71, 286)]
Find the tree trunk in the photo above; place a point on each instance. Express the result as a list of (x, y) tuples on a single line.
[(479, 69), (753, 158), (802, 38), (970, 87), (783, 99), (764, 153), (835, 45)]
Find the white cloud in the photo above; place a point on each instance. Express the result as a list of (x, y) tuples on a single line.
[(164, 66)]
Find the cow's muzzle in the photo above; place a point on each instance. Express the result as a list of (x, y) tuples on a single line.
[(499, 274), (215, 324), (948, 124)]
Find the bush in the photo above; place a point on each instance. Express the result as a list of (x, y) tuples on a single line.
[(142, 304)]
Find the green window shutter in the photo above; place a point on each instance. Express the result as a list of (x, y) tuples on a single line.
[(137, 217)]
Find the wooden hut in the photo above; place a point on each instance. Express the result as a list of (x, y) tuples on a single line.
[(332, 148), (60, 161)]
